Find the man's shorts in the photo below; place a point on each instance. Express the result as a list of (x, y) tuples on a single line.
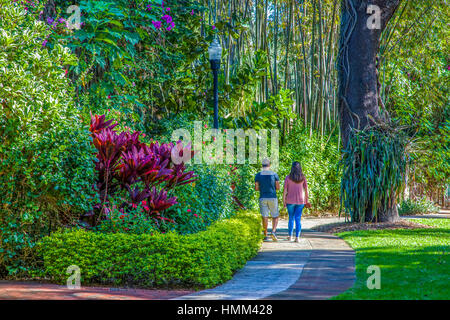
[(267, 206)]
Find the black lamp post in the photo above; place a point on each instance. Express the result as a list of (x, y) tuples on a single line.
[(215, 54)]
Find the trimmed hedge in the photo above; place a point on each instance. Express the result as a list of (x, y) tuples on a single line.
[(204, 259)]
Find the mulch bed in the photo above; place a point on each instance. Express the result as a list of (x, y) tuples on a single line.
[(347, 226)]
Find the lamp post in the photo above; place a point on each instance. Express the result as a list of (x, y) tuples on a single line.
[(215, 54)]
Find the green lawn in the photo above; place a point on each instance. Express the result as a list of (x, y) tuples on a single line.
[(414, 263)]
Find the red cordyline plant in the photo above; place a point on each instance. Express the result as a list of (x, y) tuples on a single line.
[(145, 172)]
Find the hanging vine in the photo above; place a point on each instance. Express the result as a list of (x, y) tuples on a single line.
[(349, 23)]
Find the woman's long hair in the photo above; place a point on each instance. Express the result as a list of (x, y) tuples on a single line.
[(296, 174)]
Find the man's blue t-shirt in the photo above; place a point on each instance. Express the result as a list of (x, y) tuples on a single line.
[(267, 187)]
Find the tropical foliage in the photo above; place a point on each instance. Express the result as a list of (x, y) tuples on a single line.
[(415, 82), (374, 166), (88, 109), (145, 173), (45, 154), (319, 157)]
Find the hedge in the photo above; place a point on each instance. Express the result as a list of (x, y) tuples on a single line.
[(204, 259)]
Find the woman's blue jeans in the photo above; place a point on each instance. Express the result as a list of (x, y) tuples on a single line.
[(295, 215)]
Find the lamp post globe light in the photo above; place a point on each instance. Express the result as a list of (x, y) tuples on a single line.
[(215, 54)]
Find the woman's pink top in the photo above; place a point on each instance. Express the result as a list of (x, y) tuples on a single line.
[(295, 192)]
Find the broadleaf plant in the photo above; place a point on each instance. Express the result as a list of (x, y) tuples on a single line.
[(138, 173)]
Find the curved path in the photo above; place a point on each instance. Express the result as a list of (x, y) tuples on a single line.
[(318, 267)]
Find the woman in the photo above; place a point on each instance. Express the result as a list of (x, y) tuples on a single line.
[(295, 198)]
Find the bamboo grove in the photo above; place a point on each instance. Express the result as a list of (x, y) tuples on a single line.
[(299, 39)]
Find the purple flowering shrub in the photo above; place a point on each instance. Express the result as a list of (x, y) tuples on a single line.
[(139, 174), (167, 18)]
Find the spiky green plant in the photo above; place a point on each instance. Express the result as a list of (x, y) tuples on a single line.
[(374, 165)]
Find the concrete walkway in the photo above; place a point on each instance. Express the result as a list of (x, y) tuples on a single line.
[(318, 267)]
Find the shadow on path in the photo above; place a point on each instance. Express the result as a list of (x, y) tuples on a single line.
[(318, 267)]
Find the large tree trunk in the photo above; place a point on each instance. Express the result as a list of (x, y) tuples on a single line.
[(357, 67), (357, 72)]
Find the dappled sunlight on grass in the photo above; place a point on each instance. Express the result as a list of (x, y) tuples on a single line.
[(413, 263)]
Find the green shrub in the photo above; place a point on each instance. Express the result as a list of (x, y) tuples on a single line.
[(46, 167), (207, 199), (162, 130), (134, 220), (319, 161), (204, 201), (204, 259), (419, 206), (244, 186)]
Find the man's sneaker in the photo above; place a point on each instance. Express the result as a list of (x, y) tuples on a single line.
[(274, 237)]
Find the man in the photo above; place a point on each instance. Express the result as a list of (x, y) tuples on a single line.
[(267, 183)]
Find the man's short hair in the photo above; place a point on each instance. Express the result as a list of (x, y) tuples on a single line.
[(265, 162)]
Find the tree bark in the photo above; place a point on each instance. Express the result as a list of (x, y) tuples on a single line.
[(357, 73), (358, 94)]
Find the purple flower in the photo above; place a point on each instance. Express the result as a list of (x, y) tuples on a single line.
[(44, 43), (167, 18), (157, 24), (213, 27), (149, 7), (167, 9), (192, 12), (50, 20), (172, 25)]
